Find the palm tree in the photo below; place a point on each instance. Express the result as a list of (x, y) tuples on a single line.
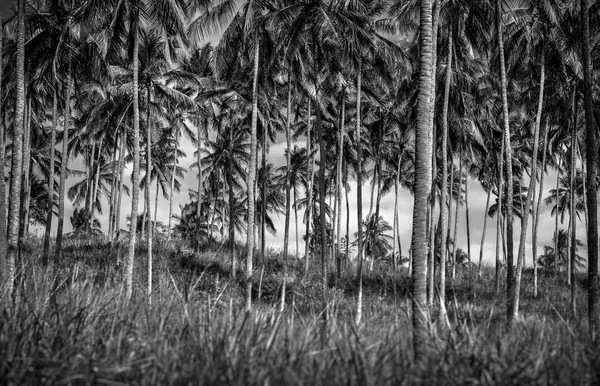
[(377, 241), (557, 259), (591, 164), (4, 264), (422, 186), (15, 176)]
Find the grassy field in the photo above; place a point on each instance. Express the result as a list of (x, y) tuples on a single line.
[(196, 332)]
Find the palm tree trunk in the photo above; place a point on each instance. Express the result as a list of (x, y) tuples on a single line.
[(395, 230), (263, 197), (530, 191), (536, 220), (422, 188), (148, 212), (456, 213), (296, 221), (251, 179), (558, 171), (450, 219), (485, 218), (443, 207), (572, 209), (309, 195), (591, 164), (117, 227), (231, 209), (288, 194), (467, 217), (113, 189), (340, 156), (200, 179), (3, 215), (63, 169), (25, 184), (499, 219), (510, 274), (135, 190), (52, 145), (172, 189), (431, 227), (155, 206), (15, 176), (322, 218), (96, 184), (359, 181), (89, 173)]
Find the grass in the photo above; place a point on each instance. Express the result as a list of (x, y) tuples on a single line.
[(196, 331)]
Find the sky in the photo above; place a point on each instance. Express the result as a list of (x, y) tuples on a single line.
[(477, 200)]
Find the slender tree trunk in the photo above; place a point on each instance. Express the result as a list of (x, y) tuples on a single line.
[(4, 264), (232, 256), (396, 231), (309, 195), (444, 191), (530, 191), (347, 194), (558, 171), (25, 184), (52, 145), (200, 181), (148, 211), (485, 219), (431, 227), (340, 157), (15, 176), (591, 164), (96, 184), (467, 217), (322, 218), (296, 220), (120, 186), (288, 194), (263, 197), (135, 190), (510, 273), (172, 190), (422, 192), (63, 169), (359, 181), (450, 219), (89, 173), (499, 219), (572, 209), (155, 206), (456, 213), (536, 220), (113, 189), (251, 180)]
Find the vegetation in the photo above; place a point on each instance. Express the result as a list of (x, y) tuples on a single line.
[(102, 99)]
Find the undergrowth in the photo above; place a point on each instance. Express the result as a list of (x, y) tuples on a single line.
[(196, 332)]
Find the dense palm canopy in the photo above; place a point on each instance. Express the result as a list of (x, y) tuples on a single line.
[(403, 97)]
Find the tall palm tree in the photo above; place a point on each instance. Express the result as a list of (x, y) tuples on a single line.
[(591, 164), (3, 260), (422, 186), (15, 176)]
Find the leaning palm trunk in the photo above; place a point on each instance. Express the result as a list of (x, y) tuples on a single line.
[(456, 213), (536, 220), (530, 191), (591, 164), (63, 170), (483, 233), (135, 192), (96, 185), (510, 285), (3, 260), (50, 214), (443, 207), (422, 186), (251, 179), (467, 218), (117, 226), (358, 141), (15, 176)]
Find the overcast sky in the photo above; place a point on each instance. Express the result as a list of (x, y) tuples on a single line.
[(477, 199)]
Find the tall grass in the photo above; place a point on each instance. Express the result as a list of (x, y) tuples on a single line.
[(197, 332)]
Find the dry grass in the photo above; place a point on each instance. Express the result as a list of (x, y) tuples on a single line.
[(196, 331)]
